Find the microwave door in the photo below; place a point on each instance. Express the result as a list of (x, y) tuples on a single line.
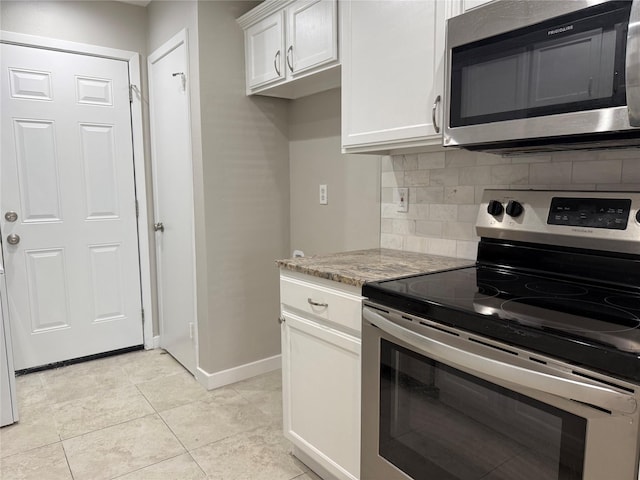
[(633, 65)]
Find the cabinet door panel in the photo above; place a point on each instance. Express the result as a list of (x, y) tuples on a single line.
[(321, 389), (265, 51), (312, 38), (392, 68)]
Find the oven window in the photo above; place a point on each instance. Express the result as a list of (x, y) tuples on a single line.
[(437, 422)]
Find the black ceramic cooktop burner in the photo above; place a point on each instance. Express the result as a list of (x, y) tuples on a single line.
[(580, 311)]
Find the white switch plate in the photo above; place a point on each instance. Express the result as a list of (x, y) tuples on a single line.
[(324, 195), (402, 199)]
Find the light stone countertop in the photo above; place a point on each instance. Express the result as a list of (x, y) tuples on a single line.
[(360, 266)]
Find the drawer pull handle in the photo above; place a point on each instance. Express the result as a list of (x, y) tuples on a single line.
[(317, 304)]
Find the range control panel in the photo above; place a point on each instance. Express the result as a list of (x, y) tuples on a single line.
[(611, 213), (594, 220)]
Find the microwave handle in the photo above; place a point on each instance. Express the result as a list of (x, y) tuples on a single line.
[(501, 372), (633, 65)]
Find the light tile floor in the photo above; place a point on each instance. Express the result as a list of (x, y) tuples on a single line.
[(141, 416)]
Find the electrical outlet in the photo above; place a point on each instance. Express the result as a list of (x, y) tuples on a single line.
[(324, 195), (402, 199)]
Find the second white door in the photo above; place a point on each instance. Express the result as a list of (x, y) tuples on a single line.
[(68, 214), (173, 199)]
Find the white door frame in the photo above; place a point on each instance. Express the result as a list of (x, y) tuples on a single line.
[(133, 59), (180, 38)]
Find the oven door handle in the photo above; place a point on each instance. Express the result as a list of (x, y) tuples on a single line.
[(500, 372)]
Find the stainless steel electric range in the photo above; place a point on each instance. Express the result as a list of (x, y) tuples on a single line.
[(523, 366)]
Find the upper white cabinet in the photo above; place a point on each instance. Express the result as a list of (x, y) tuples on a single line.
[(291, 47), (469, 4), (393, 73)]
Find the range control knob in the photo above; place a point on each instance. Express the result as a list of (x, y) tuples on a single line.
[(514, 209), (638, 216), (495, 208)]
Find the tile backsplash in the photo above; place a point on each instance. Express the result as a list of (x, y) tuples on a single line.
[(445, 189)]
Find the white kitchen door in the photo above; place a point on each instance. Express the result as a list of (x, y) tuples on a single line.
[(70, 248), (173, 198)]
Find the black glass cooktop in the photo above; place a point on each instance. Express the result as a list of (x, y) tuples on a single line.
[(590, 325)]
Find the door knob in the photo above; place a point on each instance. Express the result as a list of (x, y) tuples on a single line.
[(11, 216), (158, 227), (13, 239)]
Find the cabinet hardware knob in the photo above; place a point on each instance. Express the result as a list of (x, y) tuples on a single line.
[(11, 216), (280, 320), (317, 304), (158, 227)]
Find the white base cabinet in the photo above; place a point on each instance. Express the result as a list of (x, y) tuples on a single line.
[(321, 371)]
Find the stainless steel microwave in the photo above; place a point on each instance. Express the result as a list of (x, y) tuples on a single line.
[(540, 75)]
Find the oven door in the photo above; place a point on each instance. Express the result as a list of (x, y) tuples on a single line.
[(441, 404)]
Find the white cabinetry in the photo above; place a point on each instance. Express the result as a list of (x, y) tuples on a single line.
[(469, 4), (321, 372), (291, 47), (393, 73)]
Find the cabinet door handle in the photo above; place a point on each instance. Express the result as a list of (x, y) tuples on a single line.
[(290, 57), (276, 62), (433, 114), (317, 304)]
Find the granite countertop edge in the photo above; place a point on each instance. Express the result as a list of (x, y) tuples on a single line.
[(360, 266)]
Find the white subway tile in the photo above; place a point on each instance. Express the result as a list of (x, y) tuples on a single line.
[(468, 213), (475, 175), (599, 171), (631, 170), (619, 187), (410, 162), (537, 158), (442, 246), (443, 212), (388, 240), (491, 159), (429, 161), (445, 176), (416, 244), (510, 174), (619, 153), (429, 229), (550, 173), (459, 158), (428, 194), (416, 178), (468, 250), (459, 231), (459, 194)]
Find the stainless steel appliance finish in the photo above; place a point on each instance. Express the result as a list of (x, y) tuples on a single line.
[(583, 119), (523, 366)]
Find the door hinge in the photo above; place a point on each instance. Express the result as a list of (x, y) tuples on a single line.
[(142, 314), (130, 93), (137, 209)]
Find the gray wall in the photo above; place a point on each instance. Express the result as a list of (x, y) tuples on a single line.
[(351, 220), (246, 190), (445, 190), (104, 23)]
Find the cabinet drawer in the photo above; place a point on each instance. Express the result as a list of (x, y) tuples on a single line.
[(335, 305)]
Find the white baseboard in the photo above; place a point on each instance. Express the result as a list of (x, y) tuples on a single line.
[(153, 344), (237, 374)]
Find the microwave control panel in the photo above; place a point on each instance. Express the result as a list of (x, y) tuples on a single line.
[(610, 213)]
